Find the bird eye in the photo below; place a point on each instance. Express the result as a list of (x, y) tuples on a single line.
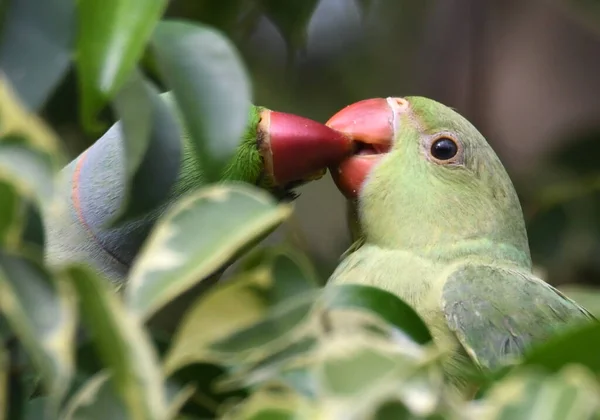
[(444, 149)]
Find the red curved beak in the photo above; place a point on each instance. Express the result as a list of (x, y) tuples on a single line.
[(371, 124), (297, 149)]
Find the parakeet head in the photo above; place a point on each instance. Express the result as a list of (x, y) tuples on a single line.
[(423, 178)]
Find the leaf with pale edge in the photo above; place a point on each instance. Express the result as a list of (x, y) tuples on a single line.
[(40, 309), (112, 37), (123, 345), (200, 234)]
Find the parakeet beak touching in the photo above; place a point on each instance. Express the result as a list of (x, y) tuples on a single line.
[(296, 149), (371, 124)]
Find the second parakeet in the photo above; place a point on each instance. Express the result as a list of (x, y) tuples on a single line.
[(439, 224), (278, 152)]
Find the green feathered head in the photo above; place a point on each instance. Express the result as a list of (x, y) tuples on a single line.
[(425, 179)]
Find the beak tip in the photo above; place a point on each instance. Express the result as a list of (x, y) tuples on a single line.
[(369, 120)]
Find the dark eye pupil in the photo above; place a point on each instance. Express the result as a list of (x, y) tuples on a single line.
[(444, 149)]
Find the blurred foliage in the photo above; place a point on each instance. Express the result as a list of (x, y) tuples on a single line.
[(268, 342)]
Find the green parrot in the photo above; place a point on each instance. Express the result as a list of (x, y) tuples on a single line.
[(278, 152), (438, 223)]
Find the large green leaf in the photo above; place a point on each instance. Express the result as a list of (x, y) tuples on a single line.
[(112, 37), (366, 372), (37, 409), (209, 81), (36, 47), (384, 304), (577, 345), (569, 394), (30, 157), (123, 345), (41, 311), (152, 146), (246, 312), (200, 234)]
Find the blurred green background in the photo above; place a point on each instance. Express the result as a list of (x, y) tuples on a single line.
[(526, 73)]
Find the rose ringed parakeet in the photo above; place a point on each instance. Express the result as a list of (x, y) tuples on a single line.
[(278, 152), (439, 224)]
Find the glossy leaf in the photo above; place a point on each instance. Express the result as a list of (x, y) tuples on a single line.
[(246, 312), (569, 394), (200, 234), (30, 171), (37, 409), (387, 306), (268, 404), (123, 345), (37, 46), (577, 345), (357, 371), (153, 147), (41, 312), (111, 39), (10, 215), (17, 123), (209, 81), (29, 160), (275, 327)]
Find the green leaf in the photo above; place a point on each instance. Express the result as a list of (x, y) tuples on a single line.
[(576, 345), (30, 158), (17, 123), (276, 326), (356, 372), (10, 216), (112, 37), (238, 303), (200, 234), (209, 82), (242, 306), (36, 48), (267, 404), (569, 394), (96, 400), (38, 409), (383, 304), (41, 312), (152, 147), (30, 171), (123, 345)]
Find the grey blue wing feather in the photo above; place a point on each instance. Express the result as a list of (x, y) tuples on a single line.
[(497, 313)]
